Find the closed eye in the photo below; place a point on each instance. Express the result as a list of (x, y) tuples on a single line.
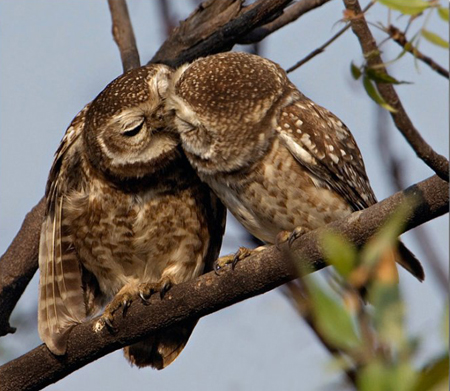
[(134, 131), (186, 126)]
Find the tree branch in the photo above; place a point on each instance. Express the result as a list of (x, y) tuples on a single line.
[(289, 15), (18, 264), (210, 292), (400, 37), (435, 161), (123, 34), (215, 26)]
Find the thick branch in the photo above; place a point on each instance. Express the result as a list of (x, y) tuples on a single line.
[(18, 264), (289, 15), (436, 162), (214, 27), (210, 293), (123, 34)]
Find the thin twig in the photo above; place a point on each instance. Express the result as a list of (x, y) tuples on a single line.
[(123, 34), (289, 15), (322, 48), (319, 50), (398, 36), (210, 292), (435, 161)]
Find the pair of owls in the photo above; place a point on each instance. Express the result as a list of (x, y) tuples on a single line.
[(134, 196)]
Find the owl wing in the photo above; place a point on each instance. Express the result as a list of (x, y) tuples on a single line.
[(322, 144), (61, 297)]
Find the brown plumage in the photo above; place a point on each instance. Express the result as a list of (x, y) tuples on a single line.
[(126, 216), (277, 160)]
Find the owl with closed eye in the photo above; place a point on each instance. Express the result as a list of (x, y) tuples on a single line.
[(278, 161), (126, 216)]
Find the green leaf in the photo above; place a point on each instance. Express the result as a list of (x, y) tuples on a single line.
[(433, 375), (332, 320), (388, 316), (387, 235), (408, 7), (434, 38), (339, 252), (356, 72), (382, 77), (376, 97), (382, 376), (443, 13)]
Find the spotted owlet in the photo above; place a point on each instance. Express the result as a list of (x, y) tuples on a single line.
[(126, 216), (278, 161)]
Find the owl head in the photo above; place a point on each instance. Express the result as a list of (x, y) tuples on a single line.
[(123, 132), (224, 108)]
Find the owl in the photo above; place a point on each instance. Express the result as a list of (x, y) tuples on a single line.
[(126, 216), (277, 160)]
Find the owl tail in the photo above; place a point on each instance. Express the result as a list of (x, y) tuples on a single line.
[(159, 350), (409, 261)]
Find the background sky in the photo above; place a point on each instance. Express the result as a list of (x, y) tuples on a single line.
[(58, 55)]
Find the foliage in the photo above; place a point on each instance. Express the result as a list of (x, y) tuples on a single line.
[(415, 10), (371, 340)]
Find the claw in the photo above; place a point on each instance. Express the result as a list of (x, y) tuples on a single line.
[(109, 324), (165, 288), (281, 238), (296, 233)]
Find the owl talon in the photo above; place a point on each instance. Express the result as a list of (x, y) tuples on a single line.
[(233, 259), (295, 234)]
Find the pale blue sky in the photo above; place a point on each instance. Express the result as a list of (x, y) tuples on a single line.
[(58, 55)]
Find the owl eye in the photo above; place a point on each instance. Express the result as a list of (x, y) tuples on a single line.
[(134, 131)]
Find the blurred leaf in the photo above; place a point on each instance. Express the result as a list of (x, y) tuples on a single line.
[(388, 316), (339, 252), (356, 72), (408, 7), (382, 77), (433, 375), (381, 376), (376, 97), (443, 13), (434, 38), (387, 235), (332, 320)]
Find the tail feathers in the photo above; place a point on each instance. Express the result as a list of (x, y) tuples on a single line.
[(409, 261), (161, 349)]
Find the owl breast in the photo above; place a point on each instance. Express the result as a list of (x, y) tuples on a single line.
[(277, 194), (133, 238)]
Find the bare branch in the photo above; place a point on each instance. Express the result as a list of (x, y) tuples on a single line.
[(210, 292), (123, 34), (435, 161), (322, 48), (18, 264), (289, 15), (215, 26), (399, 37), (319, 50)]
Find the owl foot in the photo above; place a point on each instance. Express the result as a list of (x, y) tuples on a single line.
[(289, 237), (147, 289), (123, 299), (233, 259)]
